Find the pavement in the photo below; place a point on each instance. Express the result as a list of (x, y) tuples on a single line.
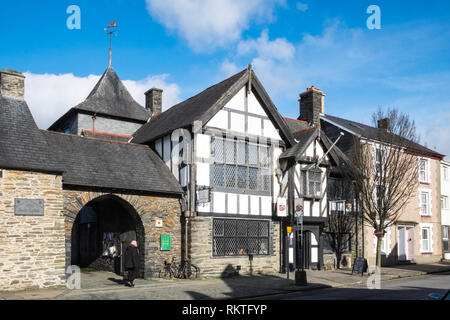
[(108, 286)]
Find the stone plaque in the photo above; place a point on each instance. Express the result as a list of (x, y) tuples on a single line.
[(28, 207)]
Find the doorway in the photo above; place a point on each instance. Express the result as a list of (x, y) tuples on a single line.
[(102, 230), (308, 251), (405, 243)]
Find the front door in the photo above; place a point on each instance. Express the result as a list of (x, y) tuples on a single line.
[(304, 251), (402, 244), (410, 241)]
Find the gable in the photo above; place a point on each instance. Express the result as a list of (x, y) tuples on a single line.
[(245, 115)]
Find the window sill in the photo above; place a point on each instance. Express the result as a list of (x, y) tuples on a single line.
[(426, 253), (425, 215), (425, 182)]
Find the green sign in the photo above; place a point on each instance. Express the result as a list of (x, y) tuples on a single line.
[(165, 242)]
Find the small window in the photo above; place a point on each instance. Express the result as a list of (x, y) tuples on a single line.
[(423, 170), (445, 173), (378, 160), (445, 231), (425, 203), (312, 182), (444, 202)]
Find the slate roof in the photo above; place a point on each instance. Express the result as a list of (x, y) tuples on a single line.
[(373, 133), (304, 134), (22, 144), (109, 164), (296, 125), (203, 106), (110, 97), (303, 140)]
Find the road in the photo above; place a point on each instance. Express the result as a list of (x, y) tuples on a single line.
[(403, 289)]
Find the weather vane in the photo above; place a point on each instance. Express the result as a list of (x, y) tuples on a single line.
[(111, 30)]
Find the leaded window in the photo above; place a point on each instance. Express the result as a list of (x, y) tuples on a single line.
[(312, 182), (234, 237), (240, 165)]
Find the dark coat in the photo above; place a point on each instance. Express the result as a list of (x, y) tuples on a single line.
[(131, 258)]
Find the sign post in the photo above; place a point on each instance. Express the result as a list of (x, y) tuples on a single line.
[(300, 275), (288, 234)]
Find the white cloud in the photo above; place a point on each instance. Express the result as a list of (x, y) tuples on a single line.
[(278, 49), (271, 60), (301, 6), (360, 70), (229, 68), (49, 96), (208, 24)]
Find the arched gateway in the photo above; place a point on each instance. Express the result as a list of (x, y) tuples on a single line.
[(95, 223)]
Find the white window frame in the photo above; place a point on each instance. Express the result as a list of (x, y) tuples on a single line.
[(429, 204), (444, 202), (427, 170), (444, 173), (429, 227)]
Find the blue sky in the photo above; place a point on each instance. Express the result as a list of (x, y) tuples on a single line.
[(186, 46)]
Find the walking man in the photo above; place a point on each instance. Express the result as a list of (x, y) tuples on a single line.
[(131, 263)]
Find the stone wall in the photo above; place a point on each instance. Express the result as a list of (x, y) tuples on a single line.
[(31, 247), (147, 209), (200, 252), (330, 261)]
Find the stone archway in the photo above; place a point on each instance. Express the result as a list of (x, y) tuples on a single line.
[(114, 214)]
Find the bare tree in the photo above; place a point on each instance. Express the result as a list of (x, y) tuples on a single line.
[(387, 170), (341, 218)]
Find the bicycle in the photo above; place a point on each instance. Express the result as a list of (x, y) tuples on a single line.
[(170, 269), (185, 270)]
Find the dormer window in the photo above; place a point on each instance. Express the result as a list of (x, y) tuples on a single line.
[(312, 182)]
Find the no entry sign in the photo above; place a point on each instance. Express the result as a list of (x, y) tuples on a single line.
[(378, 233)]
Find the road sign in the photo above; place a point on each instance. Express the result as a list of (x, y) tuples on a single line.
[(289, 229), (298, 207), (378, 233)]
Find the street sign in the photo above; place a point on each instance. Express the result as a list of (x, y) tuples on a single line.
[(298, 207), (281, 207), (289, 229), (378, 233)]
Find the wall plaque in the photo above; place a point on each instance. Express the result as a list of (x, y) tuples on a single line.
[(28, 207), (165, 242)]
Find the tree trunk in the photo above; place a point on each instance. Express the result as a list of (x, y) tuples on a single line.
[(378, 261), (338, 254), (338, 257)]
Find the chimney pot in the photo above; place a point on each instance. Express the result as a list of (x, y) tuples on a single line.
[(12, 84), (153, 101)]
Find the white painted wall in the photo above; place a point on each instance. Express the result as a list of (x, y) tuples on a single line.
[(254, 120)]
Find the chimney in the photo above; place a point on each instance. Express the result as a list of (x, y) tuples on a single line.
[(12, 84), (385, 124), (153, 101), (312, 105)]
